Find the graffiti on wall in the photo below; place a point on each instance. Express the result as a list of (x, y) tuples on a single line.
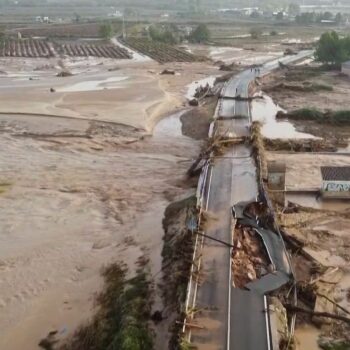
[(336, 186)]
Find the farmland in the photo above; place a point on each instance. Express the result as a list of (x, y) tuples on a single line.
[(26, 48), (99, 50), (160, 52), (43, 48), (72, 30)]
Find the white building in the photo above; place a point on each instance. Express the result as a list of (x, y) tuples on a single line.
[(335, 181)]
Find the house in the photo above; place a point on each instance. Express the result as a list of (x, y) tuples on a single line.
[(345, 68), (335, 182)]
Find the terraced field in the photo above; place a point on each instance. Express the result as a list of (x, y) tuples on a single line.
[(26, 48), (160, 52), (96, 50)]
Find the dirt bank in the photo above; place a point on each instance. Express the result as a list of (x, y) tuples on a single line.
[(335, 98), (196, 122)]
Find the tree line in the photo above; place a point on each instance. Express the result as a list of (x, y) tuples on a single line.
[(313, 17), (170, 34), (332, 49)]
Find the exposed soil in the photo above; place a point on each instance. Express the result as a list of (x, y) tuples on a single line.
[(177, 255), (319, 228), (335, 98), (338, 136), (75, 30), (196, 122), (249, 260), (323, 235)]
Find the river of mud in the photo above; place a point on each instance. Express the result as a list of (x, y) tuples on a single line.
[(76, 195)]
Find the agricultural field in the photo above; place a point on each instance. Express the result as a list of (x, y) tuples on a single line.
[(160, 52), (95, 50), (26, 48), (44, 48), (73, 30)]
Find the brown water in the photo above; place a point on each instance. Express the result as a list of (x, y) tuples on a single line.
[(70, 205), (307, 338), (265, 110)]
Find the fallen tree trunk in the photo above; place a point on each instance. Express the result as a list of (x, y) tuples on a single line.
[(297, 309), (296, 246), (333, 302)]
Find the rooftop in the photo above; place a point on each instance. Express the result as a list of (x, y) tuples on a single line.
[(330, 173)]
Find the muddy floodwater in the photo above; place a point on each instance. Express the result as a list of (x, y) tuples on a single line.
[(265, 110), (94, 85), (191, 88), (76, 195), (169, 126), (307, 338)]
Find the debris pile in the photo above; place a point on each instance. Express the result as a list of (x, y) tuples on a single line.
[(341, 117), (64, 73), (249, 260), (167, 72), (303, 145), (305, 86)]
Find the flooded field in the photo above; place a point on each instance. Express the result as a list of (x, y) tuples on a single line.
[(265, 110), (95, 85), (61, 223), (191, 88), (76, 192)]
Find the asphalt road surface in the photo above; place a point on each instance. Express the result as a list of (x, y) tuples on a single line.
[(231, 318)]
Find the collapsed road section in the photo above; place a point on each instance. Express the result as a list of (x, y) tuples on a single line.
[(222, 311)]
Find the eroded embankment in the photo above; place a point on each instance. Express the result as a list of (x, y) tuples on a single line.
[(122, 318), (179, 222), (321, 283)]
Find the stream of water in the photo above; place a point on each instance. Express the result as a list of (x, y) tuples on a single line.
[(265, 110)]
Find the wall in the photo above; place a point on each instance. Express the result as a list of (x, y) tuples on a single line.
[(339, 189)]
